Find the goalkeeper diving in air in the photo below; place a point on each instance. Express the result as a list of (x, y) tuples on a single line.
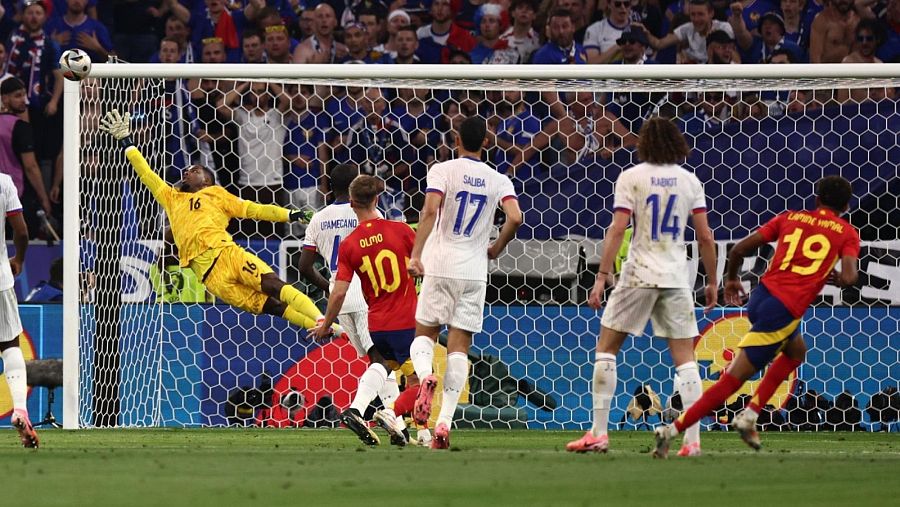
[(199, 212)]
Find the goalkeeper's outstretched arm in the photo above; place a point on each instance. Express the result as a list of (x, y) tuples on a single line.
[(119, 127), (273, 213)]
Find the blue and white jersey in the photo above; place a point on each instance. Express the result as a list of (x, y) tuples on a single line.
[(471, 190), (9, 205), (660, 199)]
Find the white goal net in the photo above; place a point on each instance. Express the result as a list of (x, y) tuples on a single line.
[(147, 346)]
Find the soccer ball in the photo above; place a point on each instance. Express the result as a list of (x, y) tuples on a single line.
[(75, 64)]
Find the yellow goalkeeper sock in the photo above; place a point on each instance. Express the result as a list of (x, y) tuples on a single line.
[(297, 318), (301, 306)]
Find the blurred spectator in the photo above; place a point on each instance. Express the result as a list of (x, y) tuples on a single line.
[(396, 20), (648, 13), (176, 29), (890, 49), (868, 37), (813, 8), (49, 291), (520, 139), (33, 58), (490, 48), (633, 46), (589, 130), (693, 34), (75, 29), (268, 17), (632, 108), (252, 48), (181, 118), (321, 46), (134, 29), (580, 17), (460, 58), (407, 45), (561, 47), (522, 36), (795, 29), (215, 132), (278, 45), (465, 12), (258, 109), (306, 23), (304, 183), (720, 47), (356, 39), (215, 19), (438, 39), (832, 32), (374, 21), (712, 112), (17, 153), (759, 48), (752, 11), (600, 38)]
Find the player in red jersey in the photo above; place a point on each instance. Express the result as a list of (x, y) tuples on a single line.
[(810, 243), (378, 252)]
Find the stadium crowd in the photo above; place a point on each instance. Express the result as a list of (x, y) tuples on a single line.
[(399, 133)]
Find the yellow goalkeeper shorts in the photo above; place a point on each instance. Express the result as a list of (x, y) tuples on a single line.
[(235, 278)]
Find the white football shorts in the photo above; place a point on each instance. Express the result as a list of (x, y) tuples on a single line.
[(10, 323), (671, 311), (356, 324), (456, 303)]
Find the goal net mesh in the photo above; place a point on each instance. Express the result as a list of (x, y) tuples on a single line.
[(155, 349)]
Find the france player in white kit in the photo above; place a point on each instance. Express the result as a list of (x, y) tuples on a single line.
[(324, 233), (461, 197), (10, 324), (658, 196)]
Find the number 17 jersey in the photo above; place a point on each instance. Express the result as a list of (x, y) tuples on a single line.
[(660, 199), (378, 251)]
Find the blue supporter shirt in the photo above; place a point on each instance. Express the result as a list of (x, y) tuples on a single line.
[(753, 12), (90, 26), (759, 53), (552, 54), (302, 139), (519, 130)]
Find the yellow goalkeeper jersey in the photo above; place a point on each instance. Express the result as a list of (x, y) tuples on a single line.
[(199, 219)]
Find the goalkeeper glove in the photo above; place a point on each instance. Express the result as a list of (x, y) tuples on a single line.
[(299, 215), (118, 126)]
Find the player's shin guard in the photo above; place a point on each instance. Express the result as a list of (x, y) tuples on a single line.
[(777, 373), (713, 398), (691, 388), (603, 389), (370, 383), (14, 369), (421, 352), (298, 319), (389, 391), (454, 381)]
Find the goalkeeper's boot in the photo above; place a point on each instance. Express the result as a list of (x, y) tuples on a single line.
[(589, 443), (422, 408), (441, 438), (27, 434), (389, 422), (690, 450), (355, 423), (664, 436), (745, 424)]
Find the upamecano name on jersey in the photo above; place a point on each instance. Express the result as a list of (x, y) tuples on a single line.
[(663, 182), (339, 223), (473, 181)]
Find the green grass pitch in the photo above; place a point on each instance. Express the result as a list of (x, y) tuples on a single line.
[(225, 467)]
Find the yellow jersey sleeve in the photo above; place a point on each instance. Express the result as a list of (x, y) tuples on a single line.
[(268, 212), (161, 191)]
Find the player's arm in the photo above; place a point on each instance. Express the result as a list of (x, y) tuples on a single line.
[(308, 270), (510, 226), (271, 213), (20, 240), (427, 218), (707, 245), (335, 303), (734, 290), (119, 127), (615, 234), (847, 277)]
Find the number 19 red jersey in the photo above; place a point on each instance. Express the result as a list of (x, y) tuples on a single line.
[(809, 245), (378, 251)]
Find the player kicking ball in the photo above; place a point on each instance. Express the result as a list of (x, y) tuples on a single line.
[(810, 243), (198, 212), (377, 252)]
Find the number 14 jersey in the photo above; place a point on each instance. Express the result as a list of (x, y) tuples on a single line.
[(660, 199), (378, 251), (471, 191)]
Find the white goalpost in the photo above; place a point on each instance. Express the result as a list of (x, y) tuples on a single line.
[(144, 345)]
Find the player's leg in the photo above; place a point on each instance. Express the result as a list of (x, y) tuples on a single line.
[(673, 318), (356, 327), (395, 346), (370, 383), (455, 377), (434, 310), (14, 367), (627, 312)]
